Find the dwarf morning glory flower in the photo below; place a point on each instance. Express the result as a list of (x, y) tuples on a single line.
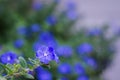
[(79, 69), (91, 62), (19, 43), (95, 32), (71, 14), (83, 78), (37, 5), (35, 28), (8, 57), (64, 68), (51, 20), (43, 74), (48, 39), (36, 46), (71, 5), (85, 48), (46, 54), (22, 30), (65, 50)]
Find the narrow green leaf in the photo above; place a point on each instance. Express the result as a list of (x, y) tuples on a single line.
[(29, 76), (23, 62)]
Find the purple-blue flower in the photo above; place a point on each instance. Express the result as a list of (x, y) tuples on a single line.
[(37, 5), (22, 30), (95, 32), (19, 43), (46, 54), (64, 68), (79, 69), (85, 48), (70, 5), (83, 78), (65, 50), (91, 62), (47, 38), (51, 20), (43, 74), (35, 28), (8, 57), (71, 14)]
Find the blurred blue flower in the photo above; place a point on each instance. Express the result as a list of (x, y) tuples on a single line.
[(71, 14), (83, 78), (19, 43), (46, 54), (94, 32), (36, 45), (35, 28), (22, 30), (8, 57), (43, 74), (85, 48), (91, 62), (64, 78), (71, 5), (79, 69), (65, 50), (64, 68), (37, 5), (48, 39), (51, 20)]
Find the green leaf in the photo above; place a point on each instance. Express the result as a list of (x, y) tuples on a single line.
[(23, 62), (29, 76)]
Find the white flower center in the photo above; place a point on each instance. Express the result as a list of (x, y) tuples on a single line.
[(8, 58), (45, 54)]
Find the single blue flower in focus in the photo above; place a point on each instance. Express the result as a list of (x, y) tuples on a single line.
[(79, 69), (91, 62), (19, 43), (47, 38), (85, 48), (8, 57), (46, 54), (37, 5), (51, 20), (83, 78), (35, 28), (22, 30), (65, 50), (43, 74), (64, 68)]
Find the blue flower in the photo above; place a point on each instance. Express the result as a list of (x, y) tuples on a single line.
[(71, 14), (47, 38), (37, 5), (79, 69), (91, 62), (51, 20), (19, 43), (83, 78), (8, 57), (85, 48), (64, 68), (65, 50), (35, 28), (46, 54), (95, 32), (36, 46), (71, 5), (43, 74), (22, 30)]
